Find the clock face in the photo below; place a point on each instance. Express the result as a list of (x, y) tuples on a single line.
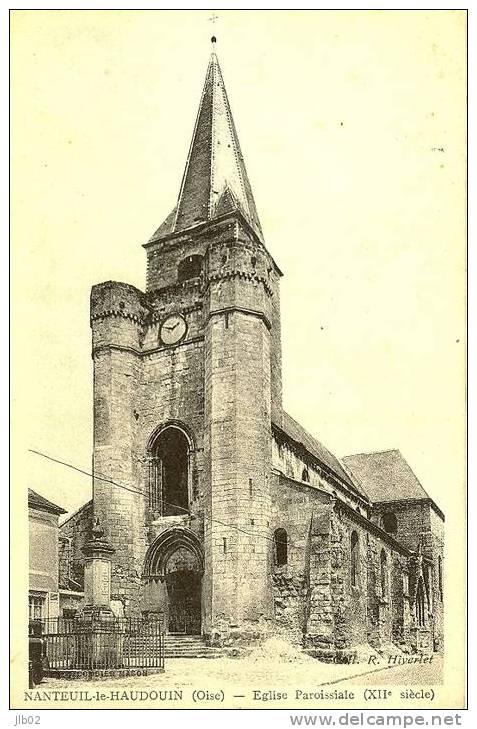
[(173, 329)]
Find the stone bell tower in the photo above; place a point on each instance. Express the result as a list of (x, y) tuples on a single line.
[(198, 351)]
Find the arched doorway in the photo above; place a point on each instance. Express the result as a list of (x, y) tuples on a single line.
[(173, 576), (183, 580), (169, 476)]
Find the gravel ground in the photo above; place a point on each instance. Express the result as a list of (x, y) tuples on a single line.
[(260, 680)]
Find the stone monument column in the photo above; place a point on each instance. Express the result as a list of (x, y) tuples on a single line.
[(97, 576)]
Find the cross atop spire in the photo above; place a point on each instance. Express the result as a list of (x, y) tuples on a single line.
[(215, 180)]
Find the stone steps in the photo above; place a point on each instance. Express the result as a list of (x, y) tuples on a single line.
[(188, 646)]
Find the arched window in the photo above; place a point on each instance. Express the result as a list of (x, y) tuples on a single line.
[(439, 578), (384, 574), (405, 584), (280, 541), (389, 522), (305, 476), (169, 476), (420, 605), (354, 558), (189, 267)]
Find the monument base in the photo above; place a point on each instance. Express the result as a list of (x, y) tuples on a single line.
[(96, 613)]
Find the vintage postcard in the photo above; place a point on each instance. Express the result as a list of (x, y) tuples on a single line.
[(239, 359)]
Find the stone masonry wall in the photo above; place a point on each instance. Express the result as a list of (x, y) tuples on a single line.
[(401, 612), (74, 533), (238, 456), (413, 520), (294, 509), (237, 447), (348, 600), (315, 598), (276, 349), (292, 465), (380, 602), (421, 529), (437, 571), (139, 386), (163, 259)]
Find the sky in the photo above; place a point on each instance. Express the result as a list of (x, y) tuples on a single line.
[(352, 126)]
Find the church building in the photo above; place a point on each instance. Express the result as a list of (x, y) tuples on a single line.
[(226, 516)]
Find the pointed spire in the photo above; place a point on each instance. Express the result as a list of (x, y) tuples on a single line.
[(215, 180)]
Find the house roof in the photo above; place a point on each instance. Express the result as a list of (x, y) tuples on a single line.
[(67, 583), (215, 179), (385, 476), (88, 504), (299, 435), (36, 501)]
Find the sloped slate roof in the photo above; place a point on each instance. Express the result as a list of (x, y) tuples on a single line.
[(301, 436), (214, 167), (167, 227), (385, 476), (36, 501), (84, 507)]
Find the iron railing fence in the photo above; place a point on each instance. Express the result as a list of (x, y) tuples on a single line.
[(116, 643)]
